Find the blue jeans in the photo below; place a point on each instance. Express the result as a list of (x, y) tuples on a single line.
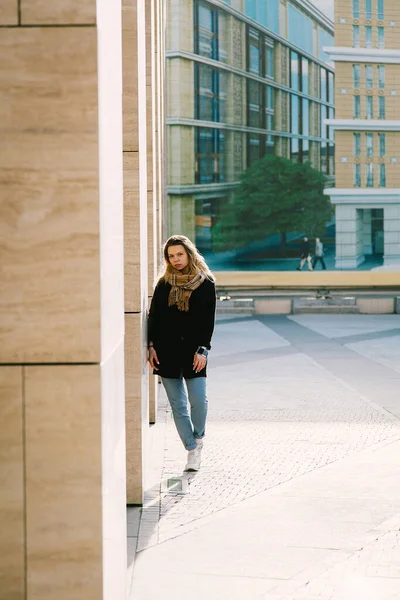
[(190, 427)]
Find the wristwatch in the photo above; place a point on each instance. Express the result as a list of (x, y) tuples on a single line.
[(202, 350)]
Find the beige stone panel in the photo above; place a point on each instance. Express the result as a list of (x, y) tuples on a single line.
[(130, 78), (9, 12), (153, 398), (49, 205), (12, 542), (180, 25), (63, 482), (180, 155), (136, 404), (272, 307), (375, 306), (180, 97), (181, 215), (66, 12), (135, 236)]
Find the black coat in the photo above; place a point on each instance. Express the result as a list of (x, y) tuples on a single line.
[(176, 334), (305, 249)]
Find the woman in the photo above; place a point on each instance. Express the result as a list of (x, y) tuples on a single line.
[(180, 326)]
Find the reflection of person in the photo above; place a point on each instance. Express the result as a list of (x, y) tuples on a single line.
[(319, 253), (305, 254), (180, 326)]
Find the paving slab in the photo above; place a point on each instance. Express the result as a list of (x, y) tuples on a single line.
[(299, 476)]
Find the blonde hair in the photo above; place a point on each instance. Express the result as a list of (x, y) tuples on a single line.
[(196, 261)]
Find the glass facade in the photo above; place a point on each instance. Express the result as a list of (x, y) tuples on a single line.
[(265, 13), (210, 93), (209, 155), (300, 28), (210, 31)]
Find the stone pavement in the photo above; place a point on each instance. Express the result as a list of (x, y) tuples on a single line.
[(298, 494)]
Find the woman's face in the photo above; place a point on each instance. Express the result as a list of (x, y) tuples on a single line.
[(178, 257)]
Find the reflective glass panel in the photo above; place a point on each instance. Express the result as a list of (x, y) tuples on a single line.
[(357, 144), (368, 76)]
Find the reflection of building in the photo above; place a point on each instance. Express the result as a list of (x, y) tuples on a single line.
[(367, 194), (238, 89)]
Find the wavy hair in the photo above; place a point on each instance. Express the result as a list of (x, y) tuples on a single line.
[(196, 260)]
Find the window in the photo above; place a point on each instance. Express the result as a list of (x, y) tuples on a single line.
[(270, 97), (382, 145), (324, 85), (356, 76), (368, 10), (368, 36), (254, 150), (382, 175), (260, 54), (370, 144), (210, 93), (381, 10), (356, 9), (357, 144), (254, 55), (370, 175), (368, 77), (357, 175), (381, 107), (356, 36), (369, 107), (381, 77), (300, 27), (305, 127), (294, 71), (254, 95), (304, 75), (331, 88), (209, 155), (324, 115), (381, 38), (295, 116), (269, 60), (206, 31), (357, 107)]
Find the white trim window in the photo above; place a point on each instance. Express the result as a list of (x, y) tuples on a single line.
[(356, 36), (369, 144), (382, 175), (357, 107), (381, 39), (381, 107), (357, 145), (357, 175), (380, 10), (370, 175), (381, 77), (382, 145), (368, 36), (368, 10), (369, 107), (356, 76), (369, 77)]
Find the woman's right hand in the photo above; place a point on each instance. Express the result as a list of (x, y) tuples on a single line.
[(153, 358)]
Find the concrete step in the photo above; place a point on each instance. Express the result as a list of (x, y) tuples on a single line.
[(326, 310), (238, 305)]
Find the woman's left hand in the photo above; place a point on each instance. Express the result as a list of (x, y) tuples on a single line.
[(199, 362)]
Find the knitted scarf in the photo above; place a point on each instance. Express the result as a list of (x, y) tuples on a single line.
[(182, 287)]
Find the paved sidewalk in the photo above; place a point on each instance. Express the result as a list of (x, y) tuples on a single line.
[(297, 496)]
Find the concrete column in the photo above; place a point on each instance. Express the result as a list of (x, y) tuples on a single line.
[(62, 448), (135, 237), (367, 224), (181, 215), (391, 215), (349, 237)]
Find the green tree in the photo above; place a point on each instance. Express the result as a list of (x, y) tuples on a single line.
[(274, 196)]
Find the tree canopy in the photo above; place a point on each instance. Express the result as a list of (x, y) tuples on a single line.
[(274, 196)]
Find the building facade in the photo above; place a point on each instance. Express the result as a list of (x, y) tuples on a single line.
[(245, 78), (81, 195), (367, 131)]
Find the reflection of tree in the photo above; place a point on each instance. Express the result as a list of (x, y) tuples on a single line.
[(275, 195)]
